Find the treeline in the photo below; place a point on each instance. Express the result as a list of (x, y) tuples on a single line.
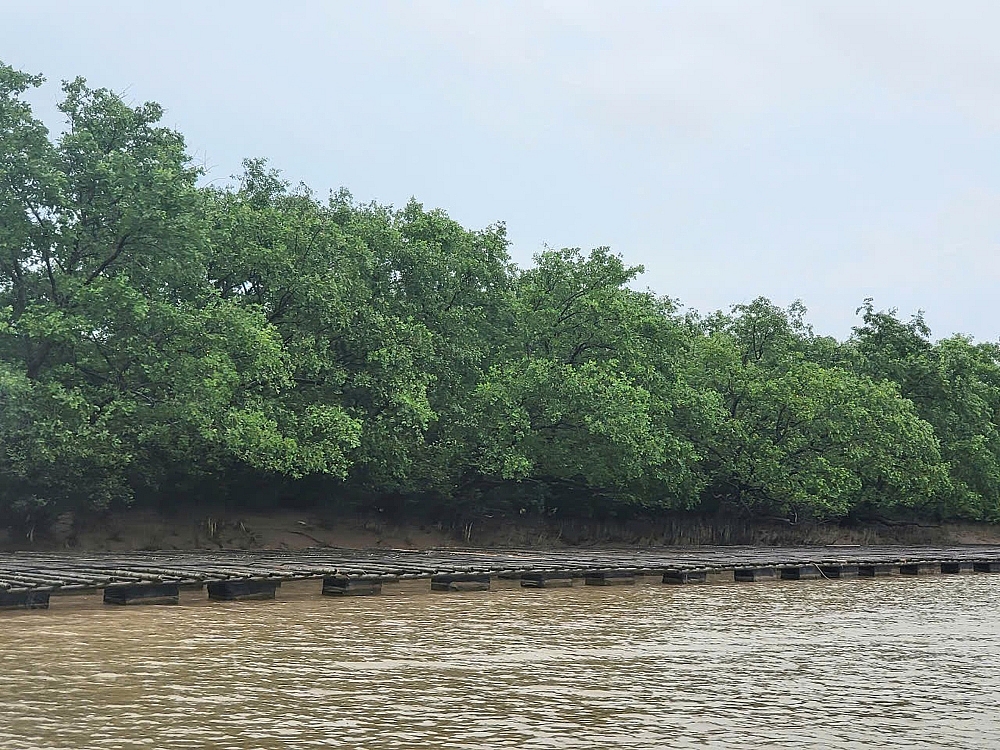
[(164, 342)]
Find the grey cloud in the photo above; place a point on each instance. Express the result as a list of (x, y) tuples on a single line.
[(708, 62)]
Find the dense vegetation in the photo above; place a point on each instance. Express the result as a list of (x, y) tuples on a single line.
[(164, 342)]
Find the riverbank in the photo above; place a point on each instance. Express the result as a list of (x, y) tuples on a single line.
[(295, 530)]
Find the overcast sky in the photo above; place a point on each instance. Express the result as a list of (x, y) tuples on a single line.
[(827, 151)]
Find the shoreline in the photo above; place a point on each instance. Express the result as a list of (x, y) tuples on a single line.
[(218, 529)]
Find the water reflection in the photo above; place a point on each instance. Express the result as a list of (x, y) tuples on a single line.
[(899, 663)]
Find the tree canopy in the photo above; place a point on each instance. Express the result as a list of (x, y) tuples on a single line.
[(164, 341)]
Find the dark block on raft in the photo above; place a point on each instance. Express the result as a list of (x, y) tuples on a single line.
[(984, 566), (800, 573), (26, 599), (956, 567), (840, 571), (141, 593), (348, 586), (679, 577), (460, 582), (547, 579), (242, 589), (609, 578), (755, 574), (919, 569), (877, 570)]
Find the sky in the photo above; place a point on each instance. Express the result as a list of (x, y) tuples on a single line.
[(821, 151)]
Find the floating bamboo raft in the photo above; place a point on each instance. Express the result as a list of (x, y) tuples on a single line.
[(69, 572), (28, 578)]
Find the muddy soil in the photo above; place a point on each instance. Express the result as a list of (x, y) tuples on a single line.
[(208, 529)]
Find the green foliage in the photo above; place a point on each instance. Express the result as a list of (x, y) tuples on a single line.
[(164, 341), (586, 393), (955, 386), (800, 438)]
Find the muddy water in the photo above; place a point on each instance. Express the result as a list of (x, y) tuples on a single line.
[(901, 663)]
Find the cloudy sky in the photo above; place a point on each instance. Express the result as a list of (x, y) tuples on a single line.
[(826, 151)]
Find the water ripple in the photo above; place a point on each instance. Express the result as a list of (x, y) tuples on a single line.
[(902, 663)]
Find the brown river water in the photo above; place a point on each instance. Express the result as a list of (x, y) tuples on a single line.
[(887, 663)]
